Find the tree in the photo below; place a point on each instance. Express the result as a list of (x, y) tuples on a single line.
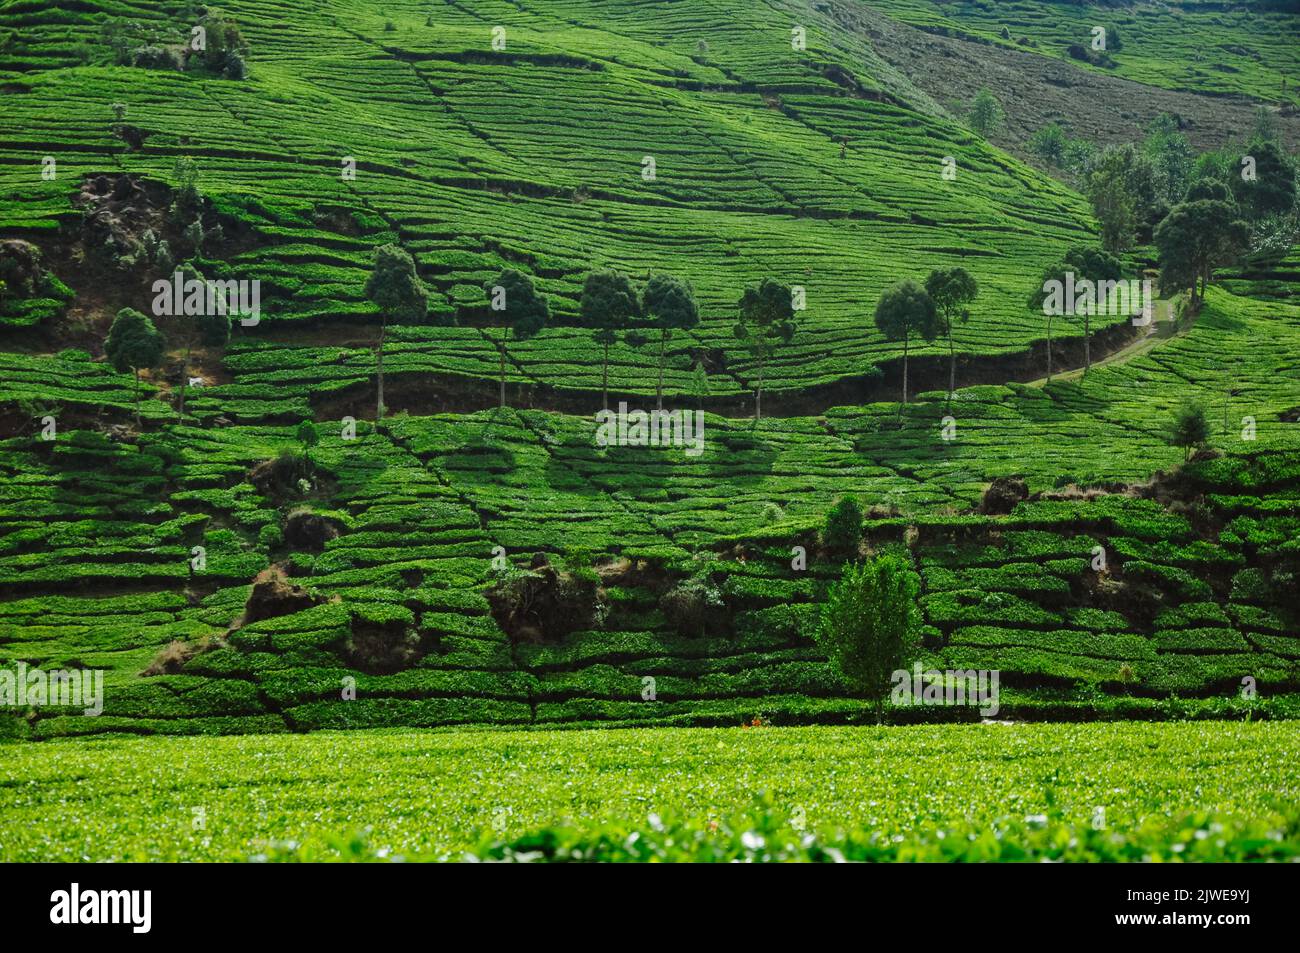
[(699, 384), (951, 290), (670, 303), (608, 303), (903, 311), (1084, 263), (211, 330), (1272, 191), (843, 530), (1212, 189), (1190, 428), (225, 45), (1123, 171), (1049, 143), (397, 291), (986, 113), (1172, 157), (1194, 239), (869, 625), (308, 437), (134, 344), (524, 312), (1113, 206), (767, 321)]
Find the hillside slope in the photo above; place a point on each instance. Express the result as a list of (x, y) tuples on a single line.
[(533, 156)]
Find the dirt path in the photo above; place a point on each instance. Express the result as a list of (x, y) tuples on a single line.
[(1162, 328)]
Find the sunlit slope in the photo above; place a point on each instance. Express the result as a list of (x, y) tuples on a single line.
[(536, 157), (1244, 48)]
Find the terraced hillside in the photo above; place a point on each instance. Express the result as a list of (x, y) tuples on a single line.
[(465, 155), (231, 577), (1197, 592)]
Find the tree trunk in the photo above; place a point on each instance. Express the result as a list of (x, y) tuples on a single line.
[(758, 394), (379, 374), (139, 425), (880, 711), (952, 367), (185, 380), (1087, 344), (1049, 348), (904, 403), (659, 390), (604, 380), (505, 335)]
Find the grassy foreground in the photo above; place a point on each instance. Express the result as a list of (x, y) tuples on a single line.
[(997, 792)]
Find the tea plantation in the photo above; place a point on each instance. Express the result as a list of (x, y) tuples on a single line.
[(1059, 792), (240, 546)]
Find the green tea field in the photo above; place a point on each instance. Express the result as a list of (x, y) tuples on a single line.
[(1064, 792), (494, 430)]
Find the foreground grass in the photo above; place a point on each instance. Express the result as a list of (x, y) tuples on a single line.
[(1002, 792)]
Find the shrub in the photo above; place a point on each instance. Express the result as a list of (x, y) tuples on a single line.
[(843, 531), (156, 57), (869, 625), (694, 607)]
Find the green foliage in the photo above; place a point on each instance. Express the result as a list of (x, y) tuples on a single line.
[(1124, 186), (694, 607), (133, 343), (225, 47), (1190, 427), (986, 113), (869, 625), (1172, 157), (608, 304), (307, 434), (952, 290), (395, 288), (1273, 189), (906, 310), (1049, 144), (524, 310), (767, 321), (1213, 794), (1196, 238), (842, 533), (670, 304)]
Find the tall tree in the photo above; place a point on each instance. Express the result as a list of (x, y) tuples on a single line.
[(134, 344), (1272, 190), (397, 291), (523, 312), (1079, 264), (670, 304), (767, 320), (951, 290), (869, 625), (1113, 206), (1120, 173), (208, 329), (903, 312), (1196, 238), (1172, 156), (608, 303)]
